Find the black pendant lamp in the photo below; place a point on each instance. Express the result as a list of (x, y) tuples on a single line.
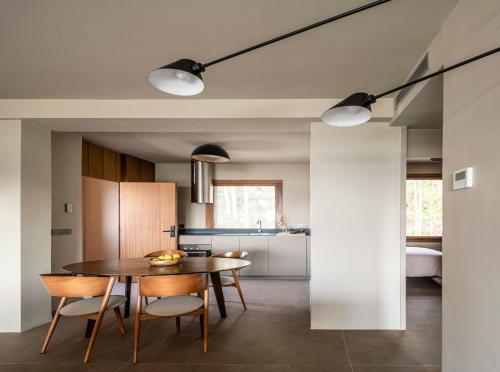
[(183, 77), (356, 109), (210, 153)]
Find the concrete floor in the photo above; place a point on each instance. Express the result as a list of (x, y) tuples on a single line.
[(273, 335)]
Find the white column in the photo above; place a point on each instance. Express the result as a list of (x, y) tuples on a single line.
[(25, 197), (10, 225), (356, 227)]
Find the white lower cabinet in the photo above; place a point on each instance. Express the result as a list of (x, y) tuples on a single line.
[(258, 253), (225, 244), (287, 256)]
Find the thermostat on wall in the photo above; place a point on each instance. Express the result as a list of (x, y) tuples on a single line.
[(463, 178)]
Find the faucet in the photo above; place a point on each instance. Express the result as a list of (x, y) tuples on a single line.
[(259, 222)]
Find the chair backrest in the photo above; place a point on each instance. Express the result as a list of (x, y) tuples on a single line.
[(172, 285), (76, 286), (161, 253), (235, 254)]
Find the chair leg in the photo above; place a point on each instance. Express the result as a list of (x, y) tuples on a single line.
[(137, 327), (146, 300), (98, 321), (119, 319), (53, 324), (205, 322), (237, 285), (202, 325), (178, 324)]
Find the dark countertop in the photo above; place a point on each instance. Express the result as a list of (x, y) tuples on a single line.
[(237, 232)]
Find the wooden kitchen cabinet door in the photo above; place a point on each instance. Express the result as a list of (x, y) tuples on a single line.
[(100, 219), (148, 210)]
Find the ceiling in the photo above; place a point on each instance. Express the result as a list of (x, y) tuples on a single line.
[(425, 111), (268, 147), (173, 140), (104, 49)]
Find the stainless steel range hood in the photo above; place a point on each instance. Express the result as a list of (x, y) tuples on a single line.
[(202, 190)]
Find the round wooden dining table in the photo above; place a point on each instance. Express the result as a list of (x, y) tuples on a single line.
[(129, 268)]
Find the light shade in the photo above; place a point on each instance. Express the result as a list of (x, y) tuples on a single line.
[(180, 78), (210, 154), (353, 110)]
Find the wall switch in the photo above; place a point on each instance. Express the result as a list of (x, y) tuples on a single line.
[(68, 208), (463, 178)]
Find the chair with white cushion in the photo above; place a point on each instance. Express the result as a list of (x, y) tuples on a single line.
[(232, 281), (98, 291), (175, 301)]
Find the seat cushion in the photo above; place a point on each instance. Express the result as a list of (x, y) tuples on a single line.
[(226, 280), (91, 305), (175, 305)]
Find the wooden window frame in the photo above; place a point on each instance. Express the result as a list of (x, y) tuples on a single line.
[(424, 239), (278, 189)]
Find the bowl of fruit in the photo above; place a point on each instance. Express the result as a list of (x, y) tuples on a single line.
[(165, 259)]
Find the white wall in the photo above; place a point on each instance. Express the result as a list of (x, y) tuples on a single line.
[(35, 223), (295, 187), (66, 188), (425, 143), (10, 225), (356, 248), (471, 303), (24, 224)]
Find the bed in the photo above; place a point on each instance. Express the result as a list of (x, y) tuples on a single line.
[(423, 262)]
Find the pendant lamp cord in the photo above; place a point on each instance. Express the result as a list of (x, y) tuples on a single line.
[(201, 67)]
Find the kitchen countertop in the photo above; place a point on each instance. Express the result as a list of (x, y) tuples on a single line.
[(236, 232)]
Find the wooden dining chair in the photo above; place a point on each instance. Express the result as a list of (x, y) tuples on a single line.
[(232, 281), (175, 302), (98, 289), (161, 253)]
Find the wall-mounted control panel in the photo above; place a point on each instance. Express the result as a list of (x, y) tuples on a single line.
[(463, 178)]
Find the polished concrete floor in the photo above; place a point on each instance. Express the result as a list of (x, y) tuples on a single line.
[(273, 335)]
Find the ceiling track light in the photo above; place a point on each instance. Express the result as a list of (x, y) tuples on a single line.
[(183, 77), (356, 109)]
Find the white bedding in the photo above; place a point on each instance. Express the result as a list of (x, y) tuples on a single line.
[(422, 262)]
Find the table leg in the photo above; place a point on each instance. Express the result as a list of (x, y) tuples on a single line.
[(90, 327), (128, 287), (219, 294)]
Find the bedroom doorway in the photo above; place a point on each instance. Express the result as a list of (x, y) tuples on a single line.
[(424, 226)]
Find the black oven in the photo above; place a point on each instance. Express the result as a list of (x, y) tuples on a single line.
[(196, 250)]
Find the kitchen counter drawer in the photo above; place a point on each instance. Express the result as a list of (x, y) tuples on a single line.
[(258, 253), (287, 256), (195, 239)]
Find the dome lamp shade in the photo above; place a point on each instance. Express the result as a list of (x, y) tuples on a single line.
[(354, 110), (180, 78), (210, 153)]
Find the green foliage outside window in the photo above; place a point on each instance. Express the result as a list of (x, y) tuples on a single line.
[(242, 206), (424, 207)]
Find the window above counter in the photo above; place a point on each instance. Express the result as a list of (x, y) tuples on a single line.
[(242, 203)]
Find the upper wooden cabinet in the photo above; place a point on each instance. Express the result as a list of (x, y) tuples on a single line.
[(136, 170), (105, 164)]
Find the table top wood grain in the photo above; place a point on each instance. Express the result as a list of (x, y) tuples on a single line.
[(141, 266)]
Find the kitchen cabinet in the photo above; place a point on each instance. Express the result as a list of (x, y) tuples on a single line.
[(287, 256), (100, 219), (258, 253), (225, 244), (148, 210)]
